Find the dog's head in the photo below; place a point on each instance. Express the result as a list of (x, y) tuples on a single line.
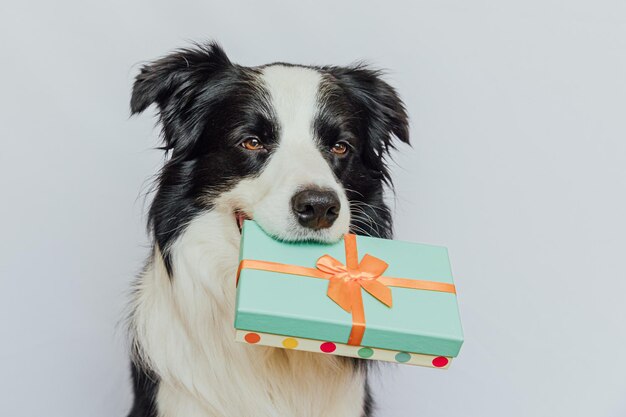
[(299, 149)]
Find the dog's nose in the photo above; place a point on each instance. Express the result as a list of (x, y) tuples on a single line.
[(316, 209)]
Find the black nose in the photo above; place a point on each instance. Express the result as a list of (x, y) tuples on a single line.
[(316, 209)]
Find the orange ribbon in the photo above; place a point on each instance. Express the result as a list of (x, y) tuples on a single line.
[(346, 281)]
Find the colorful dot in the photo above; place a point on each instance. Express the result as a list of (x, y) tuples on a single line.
[(252, 338), (328, 347), (403, 357), (290, 343), (365, 352), (440, 361)]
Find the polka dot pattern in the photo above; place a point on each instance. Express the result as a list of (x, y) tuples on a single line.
[(334, 348), (440, 361), (290, 343), (252, 338), (328, 347)]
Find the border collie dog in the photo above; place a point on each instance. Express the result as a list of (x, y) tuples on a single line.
[(299, 149)]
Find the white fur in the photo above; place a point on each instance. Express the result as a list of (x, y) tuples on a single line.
[(184, 326), (297, 163)]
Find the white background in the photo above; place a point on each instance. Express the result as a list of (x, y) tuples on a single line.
[(518, 123)]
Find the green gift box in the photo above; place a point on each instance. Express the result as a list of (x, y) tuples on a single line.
[(362, 297)]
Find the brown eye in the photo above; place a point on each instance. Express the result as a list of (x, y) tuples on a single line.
[(252, 143), (339, 148)]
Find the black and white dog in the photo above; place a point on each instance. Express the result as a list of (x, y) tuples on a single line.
[(299, 149)]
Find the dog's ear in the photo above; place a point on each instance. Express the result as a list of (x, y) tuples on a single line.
[(377, 110), (379, 105), (176, 84)]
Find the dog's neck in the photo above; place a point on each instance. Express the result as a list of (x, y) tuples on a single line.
[(183, 329)]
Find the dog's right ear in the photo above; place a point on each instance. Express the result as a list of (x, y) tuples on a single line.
[(174, 83)]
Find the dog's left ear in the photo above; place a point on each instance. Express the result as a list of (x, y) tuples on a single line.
[(178, 84), (380, 108)]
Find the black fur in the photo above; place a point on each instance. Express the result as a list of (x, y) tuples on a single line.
[(206, 105), (145, 385), (364, 110)]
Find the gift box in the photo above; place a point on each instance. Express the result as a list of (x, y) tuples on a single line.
[(362, 297)]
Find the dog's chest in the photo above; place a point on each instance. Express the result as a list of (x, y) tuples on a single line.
[(189, 338)]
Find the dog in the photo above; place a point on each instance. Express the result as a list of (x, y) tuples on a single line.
[(302, 150)]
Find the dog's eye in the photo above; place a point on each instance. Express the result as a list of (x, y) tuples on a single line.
[(339, 148), (252, 143)]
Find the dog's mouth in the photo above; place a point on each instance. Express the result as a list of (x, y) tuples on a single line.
[(240, 217)]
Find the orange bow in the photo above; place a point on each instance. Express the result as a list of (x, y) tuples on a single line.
[(346, 281), (343, 281)]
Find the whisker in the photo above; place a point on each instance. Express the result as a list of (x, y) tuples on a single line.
[(359, 230), (354, 191), (359, 214), (364, 204)]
